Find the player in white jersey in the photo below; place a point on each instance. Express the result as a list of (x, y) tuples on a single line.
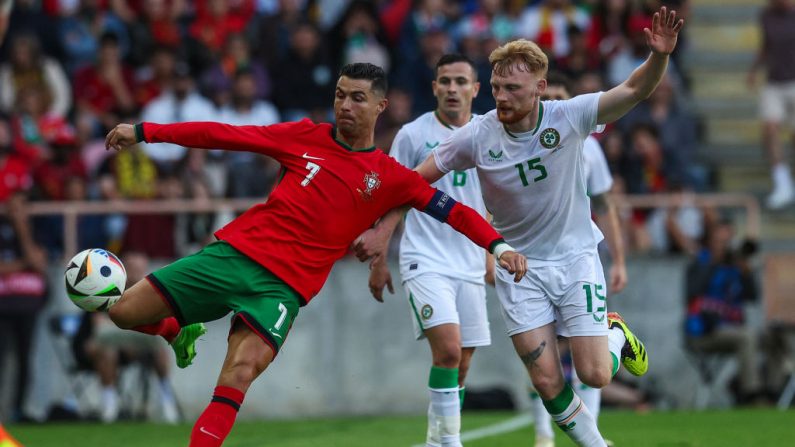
[(443, 273), (598, 181), (528, 156)]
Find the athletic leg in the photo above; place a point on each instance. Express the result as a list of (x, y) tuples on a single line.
[(247, 356), (537, 348), (444, 382)]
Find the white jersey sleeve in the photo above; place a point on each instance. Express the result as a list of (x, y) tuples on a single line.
[(581, 111), (457, 152), (597, 172)]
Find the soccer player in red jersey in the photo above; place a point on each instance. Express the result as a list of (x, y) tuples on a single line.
[(334, 186)]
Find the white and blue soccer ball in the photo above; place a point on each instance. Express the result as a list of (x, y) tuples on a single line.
[(95, 279)]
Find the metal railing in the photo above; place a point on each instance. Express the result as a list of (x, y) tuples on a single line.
[(72, 210)]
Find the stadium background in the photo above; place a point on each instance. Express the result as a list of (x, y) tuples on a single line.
[(348, 355)]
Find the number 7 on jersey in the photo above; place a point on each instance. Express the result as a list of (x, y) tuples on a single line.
[(313, 170)]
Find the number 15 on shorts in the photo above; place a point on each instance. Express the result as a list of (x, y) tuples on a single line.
[(595, 301)]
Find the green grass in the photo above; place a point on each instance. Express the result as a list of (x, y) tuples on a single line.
[(758, 427)]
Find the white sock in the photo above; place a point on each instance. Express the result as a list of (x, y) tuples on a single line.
[(591, 397), (782, 177), (568, 411), (541, 418), (615, 341), (432, 437), (110, 404), (447, 409)]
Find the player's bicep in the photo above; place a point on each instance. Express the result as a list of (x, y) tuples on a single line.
[(615, 103), (429, 170)]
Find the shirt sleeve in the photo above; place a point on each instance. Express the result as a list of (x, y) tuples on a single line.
[(403, 150), (269, 140), (581, 111), (599, 179), (457, 152)]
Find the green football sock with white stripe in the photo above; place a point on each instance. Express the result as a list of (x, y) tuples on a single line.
[(443, 385), (568, 411)]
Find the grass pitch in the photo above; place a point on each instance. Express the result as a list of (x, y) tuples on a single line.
[(753, 427)]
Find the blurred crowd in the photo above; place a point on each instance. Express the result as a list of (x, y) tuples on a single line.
[(72, 69)]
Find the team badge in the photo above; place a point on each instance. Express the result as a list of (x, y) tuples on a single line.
[(371, 183), (495, 156), (549, 138), (426, 311)]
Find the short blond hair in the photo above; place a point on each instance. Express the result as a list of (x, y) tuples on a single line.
[(523, 52)]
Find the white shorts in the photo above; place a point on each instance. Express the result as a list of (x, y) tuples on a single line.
[(437, 299), (573, 295), (777, 103)]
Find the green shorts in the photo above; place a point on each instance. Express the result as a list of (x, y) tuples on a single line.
[(219, 279)]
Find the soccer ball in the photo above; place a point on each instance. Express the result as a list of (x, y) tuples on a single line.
[(95, 279)]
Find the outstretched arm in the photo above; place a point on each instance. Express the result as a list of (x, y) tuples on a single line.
[(202, 135), (661, 39)]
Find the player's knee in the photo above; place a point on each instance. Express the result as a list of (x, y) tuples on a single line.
[(241, 373), (120, 317), (447, 356), (595, 377)]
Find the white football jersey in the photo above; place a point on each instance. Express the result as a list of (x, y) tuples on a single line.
[(533, 183), (597, 172), (427, 244)]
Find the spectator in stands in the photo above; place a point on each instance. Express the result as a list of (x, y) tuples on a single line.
[(489, 19), (396, 115), (156, 27), (27, 16), (547, 24), (23, 292), (106, 348), (157, 77), (416, 76), (215, 21), (608, 30), (105, 89), (276, 30), (358, 37), (249, 174), (305, 79), (676, 126), (580, 59), (427, 16), (14, 169), (777, 100), (81, 31), (180, 103), (719, 284), (216, 81), (26, 67)]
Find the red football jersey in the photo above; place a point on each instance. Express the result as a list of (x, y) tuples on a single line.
[(327, 196)]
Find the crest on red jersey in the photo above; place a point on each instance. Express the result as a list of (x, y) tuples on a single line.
[(371, 183)]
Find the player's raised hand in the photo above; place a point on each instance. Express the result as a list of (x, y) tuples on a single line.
[(661, 38), (515, 263), (380, 277), (121, 136)]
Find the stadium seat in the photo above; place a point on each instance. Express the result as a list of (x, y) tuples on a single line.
[(778, 283), (715, 372)]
